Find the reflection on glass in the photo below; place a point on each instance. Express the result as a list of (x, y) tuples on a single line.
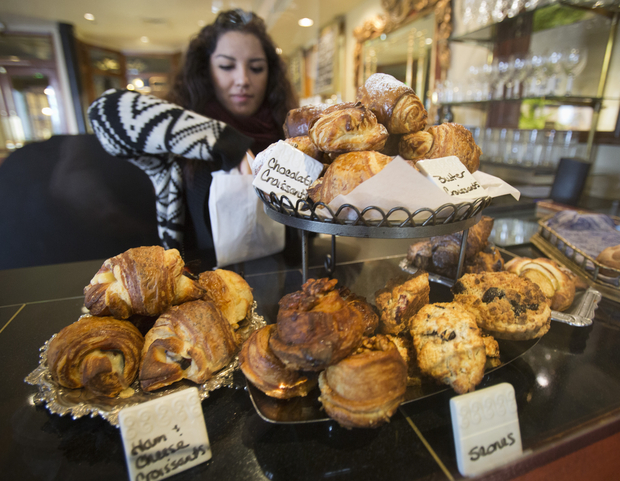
[(34, 117)]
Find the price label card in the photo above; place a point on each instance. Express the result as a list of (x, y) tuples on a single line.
[(164, 436), (451, 176), (286, 170), (486, 431)]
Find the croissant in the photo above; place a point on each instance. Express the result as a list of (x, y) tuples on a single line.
[(299, 121), (365, 389), (305, 144), (350, 129), (449, 345), (316, 327), (100, 354), (142, 280), (400, 300), (442, 141), (370, 317), (230, 293), (263, 369), (555, 284), (191, 341), (395, 104), (347, 172)]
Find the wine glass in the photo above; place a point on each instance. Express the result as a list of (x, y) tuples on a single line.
[(551, 68), (536, 80), (499, 10), (514, 7), (521, 69), (573, 62)]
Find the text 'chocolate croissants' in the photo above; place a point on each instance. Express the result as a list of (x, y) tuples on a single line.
[(101, 354), (190, 341), (143, 280)]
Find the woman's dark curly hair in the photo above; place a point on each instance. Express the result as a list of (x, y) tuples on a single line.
[(193, 87)]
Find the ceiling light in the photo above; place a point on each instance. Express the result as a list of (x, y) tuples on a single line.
[(305, 22), (46, 111), (144, 39), (428, 41), (90, 17), (278, 50)]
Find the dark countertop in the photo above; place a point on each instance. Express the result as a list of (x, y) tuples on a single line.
[(567, 389)]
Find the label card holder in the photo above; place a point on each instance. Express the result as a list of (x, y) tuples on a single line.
[(287, 171), (451, 176), (164, 436), (485, 425)]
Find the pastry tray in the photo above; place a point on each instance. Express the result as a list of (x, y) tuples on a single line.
[(79, 402), (556, 247), (372, 221)]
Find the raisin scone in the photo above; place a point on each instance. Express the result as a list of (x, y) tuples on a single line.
[(399, 300), (508, 306), (449, 345)]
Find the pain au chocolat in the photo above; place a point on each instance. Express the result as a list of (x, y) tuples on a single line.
[(365, 389), (100, 354), (142, 280), (395, 104), (190, 341), (316, 327)]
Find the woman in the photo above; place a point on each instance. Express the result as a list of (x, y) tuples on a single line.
[(233, 77)]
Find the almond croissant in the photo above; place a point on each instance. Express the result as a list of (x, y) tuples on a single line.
[(442, 141), (143, 280)]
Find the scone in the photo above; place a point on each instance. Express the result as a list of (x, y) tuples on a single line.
[(400, 300), (449, 345), (507, 306)]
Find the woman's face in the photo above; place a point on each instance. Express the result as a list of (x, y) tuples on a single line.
[(239, 72)]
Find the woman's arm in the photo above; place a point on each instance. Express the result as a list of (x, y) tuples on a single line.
[(129, 124)]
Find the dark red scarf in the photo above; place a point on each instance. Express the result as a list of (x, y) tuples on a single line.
[(261, 126)]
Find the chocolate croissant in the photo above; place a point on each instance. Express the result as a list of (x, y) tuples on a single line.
[(191, 341), (365, 389), (316, 327), (347, 172), (305, 144), (299, 121), (230, 293), (143, 280), (100, 354), (395, 104), (442, 141), (263, 368), (350, 129)]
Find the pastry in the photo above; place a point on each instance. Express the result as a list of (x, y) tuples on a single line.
[(449, 345), (142, 280), (316, 327), (442, 141), (610, 257), (191, 341), (400, 300), (487, 260), (230, 293), (507, 306), (350, 129), (347, 172), (395, 104), (100, 354), (263, 369), (555, 284), (369, 316), (305, 144), (365, 389), (298, 121)]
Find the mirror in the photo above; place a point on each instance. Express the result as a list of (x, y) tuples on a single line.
[(409, 42)]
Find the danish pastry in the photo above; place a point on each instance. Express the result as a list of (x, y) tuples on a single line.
[(442, 140), (191, 341), (506, 305), (142, 280), (365, 389), (100, 354), (394, 103), (263, 369), (449, 346)]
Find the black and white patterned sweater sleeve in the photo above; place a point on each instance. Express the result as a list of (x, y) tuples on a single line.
[(152, 134)]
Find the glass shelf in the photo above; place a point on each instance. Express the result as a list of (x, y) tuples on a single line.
[(560, 100)]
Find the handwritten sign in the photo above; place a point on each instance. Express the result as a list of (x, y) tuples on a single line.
[(486, 431), (451, 176), (164, 436), (285, 170)]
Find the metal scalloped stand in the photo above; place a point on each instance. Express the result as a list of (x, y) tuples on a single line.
[(372, 222)]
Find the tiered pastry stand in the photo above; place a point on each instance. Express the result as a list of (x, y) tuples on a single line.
[(372, 222)]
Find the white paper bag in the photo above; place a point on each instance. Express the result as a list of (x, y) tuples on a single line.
[(241, 229)]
